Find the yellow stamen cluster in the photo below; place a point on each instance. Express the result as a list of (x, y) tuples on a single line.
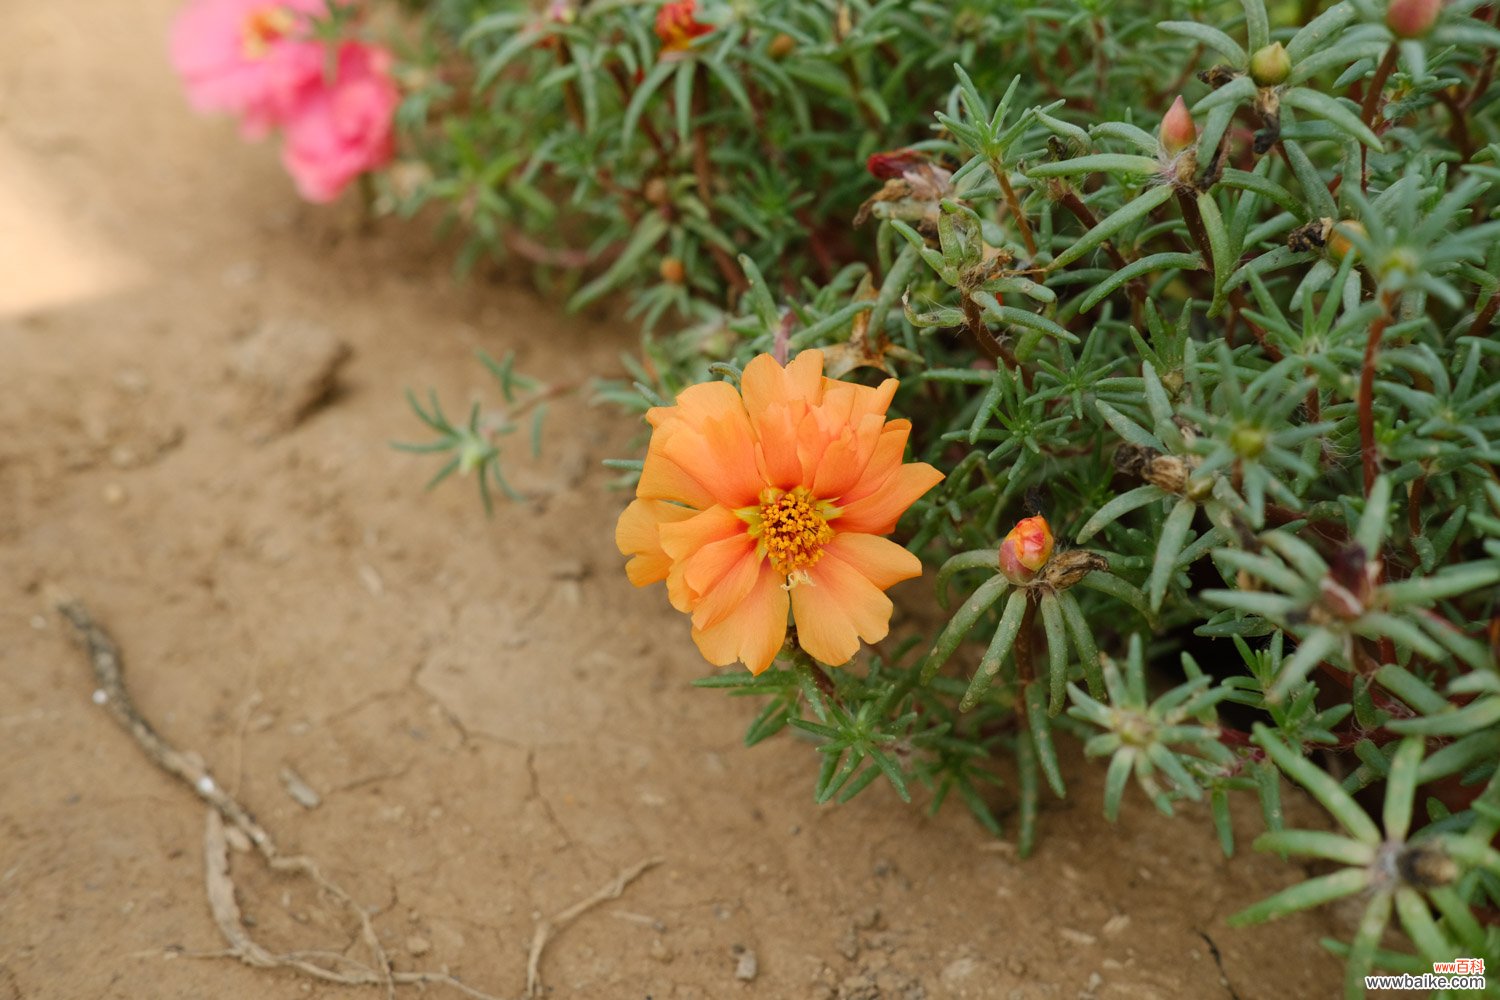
[(793, 529), (263, 27)]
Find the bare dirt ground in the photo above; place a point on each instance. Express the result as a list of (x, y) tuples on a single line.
[(495, 720)]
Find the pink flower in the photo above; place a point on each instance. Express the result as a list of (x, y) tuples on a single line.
[(342, 127), (246, 57)]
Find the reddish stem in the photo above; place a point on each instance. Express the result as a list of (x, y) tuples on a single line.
[(1014, 203), (1372, 101), (1368, 450), (1486, 316)]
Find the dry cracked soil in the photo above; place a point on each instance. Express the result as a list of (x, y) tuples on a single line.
[(199, 378)]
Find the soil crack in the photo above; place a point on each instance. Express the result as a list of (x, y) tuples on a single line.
[(1219, 961)]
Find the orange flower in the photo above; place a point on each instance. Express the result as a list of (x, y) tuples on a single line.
[(1026, 549), (773, 498), (677, 26)]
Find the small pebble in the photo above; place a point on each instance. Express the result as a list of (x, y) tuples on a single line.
[(417, 945), (114, 494), (132, 380), (300, 791), (747, 968)]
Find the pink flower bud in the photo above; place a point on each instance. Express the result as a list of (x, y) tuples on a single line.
[(1026, 549), (1177, 129), (1412, 18)]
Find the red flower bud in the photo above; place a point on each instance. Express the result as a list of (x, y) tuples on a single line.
[(1412, 18), (1177, 129), (1026, 549), (677, 26), (894, 163)]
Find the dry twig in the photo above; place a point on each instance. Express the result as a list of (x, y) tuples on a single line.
[(189, 768), (104, 657), (547, 928)]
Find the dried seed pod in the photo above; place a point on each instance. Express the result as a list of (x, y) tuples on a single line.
[(1312, 236), (1218, 76), (1427, 866), (1268, 107), (1067, 568)]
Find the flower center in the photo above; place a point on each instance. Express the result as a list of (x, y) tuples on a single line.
[(263, 27), (793, 528)]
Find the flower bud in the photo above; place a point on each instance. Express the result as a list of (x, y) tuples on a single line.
[(672, 270), (1248, 442), (677, 25), (893, 163), (1339, 244), (1177, 129), (1412, 18), (781, 46), (1026, 549), (657, 192), (1270, 66)]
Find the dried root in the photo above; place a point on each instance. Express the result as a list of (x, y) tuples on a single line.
[(332, 967)]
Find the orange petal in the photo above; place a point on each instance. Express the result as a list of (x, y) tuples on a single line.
[(664, 479), (638, 534), (890, 448), (754, 631), (875, 400), (678, 592), (721, 456), (776, 429), (835, 608), (683, 538), (878, 513), (845, 460), (765, 385), (702, 402), (718, 600), (704, 449), (706, 569), (879, 560)]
